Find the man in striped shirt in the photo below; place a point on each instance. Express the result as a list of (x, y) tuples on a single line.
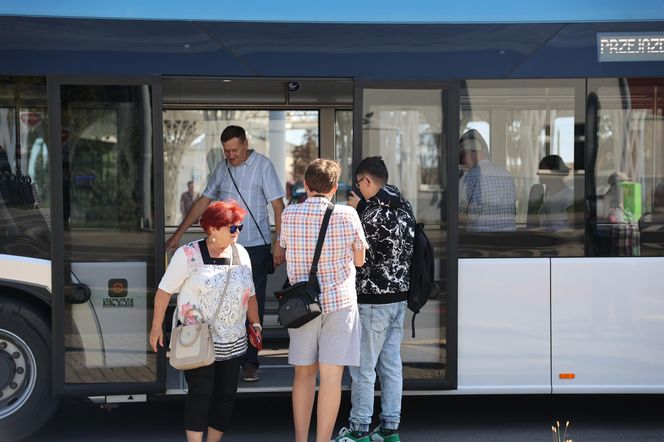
[(256, 184)]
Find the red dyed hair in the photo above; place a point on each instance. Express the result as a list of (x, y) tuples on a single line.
[(221, 214)]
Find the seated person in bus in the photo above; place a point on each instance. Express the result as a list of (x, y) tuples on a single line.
[(332, 340), (557, 204), (211, 276), (487, 194)]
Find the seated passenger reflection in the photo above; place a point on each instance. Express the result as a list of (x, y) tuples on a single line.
[(555, 212), (487, 194), (614, 208), (619, 218)]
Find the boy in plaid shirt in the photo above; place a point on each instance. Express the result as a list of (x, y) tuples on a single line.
[(332, 340)]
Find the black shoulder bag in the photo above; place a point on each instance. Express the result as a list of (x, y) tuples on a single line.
[(299, 304), (270, 263)]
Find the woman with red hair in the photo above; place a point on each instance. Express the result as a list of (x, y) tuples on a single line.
[(198, 273)]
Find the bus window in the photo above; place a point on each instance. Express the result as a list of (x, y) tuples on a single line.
[(343, 152), (626, 219), (518, 182), (24, 169)]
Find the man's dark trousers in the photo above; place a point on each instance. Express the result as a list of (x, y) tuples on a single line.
[(259, 256)]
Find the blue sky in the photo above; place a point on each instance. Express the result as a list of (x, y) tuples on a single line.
[(391, 11)]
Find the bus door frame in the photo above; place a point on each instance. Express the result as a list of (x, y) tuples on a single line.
[(54, 84), (450, 107)]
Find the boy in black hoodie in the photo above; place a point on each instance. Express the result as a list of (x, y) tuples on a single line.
[(382, 286)]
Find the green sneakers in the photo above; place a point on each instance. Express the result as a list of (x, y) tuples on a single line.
[(379, 435), (348, 435), (382, 435)]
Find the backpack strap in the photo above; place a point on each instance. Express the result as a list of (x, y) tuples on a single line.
[(412, 324)]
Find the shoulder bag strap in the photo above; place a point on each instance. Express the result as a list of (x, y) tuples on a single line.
[(313, 279), (245, 203), (228, 279)]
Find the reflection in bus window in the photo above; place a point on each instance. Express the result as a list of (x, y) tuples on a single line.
[(24, 169), (109, 233), (404, 127), (628, 169), (557, 198), (192, 148), (343, 152), (486, 190), (523, 123)]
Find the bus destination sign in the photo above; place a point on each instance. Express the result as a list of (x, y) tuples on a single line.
[(630, 46)]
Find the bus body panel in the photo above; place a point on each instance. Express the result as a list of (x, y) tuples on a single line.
[(504, 333), (37, 45), (607, 325), (30, 271)]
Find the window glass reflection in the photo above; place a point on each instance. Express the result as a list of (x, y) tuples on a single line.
[(109, 238), (627, 217), (24, 168), (343, 152), (518, 180), (192, 149), (404, 127)]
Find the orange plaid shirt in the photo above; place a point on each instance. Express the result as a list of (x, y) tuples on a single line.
[(300, 224)]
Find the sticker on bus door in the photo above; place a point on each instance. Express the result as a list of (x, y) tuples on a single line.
[(119, 305)]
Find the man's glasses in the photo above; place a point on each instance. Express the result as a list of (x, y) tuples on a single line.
[(235, 228), (357, 183)]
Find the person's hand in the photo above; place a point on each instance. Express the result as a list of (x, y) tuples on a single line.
[(258, 341), (156, 336), (279, 255), (353, 200), (172, 243)]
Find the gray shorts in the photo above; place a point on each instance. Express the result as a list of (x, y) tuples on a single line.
[(331, 338)]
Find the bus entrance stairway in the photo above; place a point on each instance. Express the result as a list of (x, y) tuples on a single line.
[(276, 374)]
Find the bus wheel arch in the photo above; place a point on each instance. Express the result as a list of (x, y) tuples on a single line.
[(27, 400)]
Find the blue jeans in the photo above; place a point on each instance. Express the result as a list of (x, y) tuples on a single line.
[(380, 346)]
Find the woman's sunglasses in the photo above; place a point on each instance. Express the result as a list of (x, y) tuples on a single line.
[(235, 228)]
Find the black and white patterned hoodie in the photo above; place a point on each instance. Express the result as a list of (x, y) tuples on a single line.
[(389, 226)]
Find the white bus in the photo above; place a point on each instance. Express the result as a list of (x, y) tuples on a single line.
[(103, 123)]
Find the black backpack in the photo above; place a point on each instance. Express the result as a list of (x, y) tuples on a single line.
[(421, 273)]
